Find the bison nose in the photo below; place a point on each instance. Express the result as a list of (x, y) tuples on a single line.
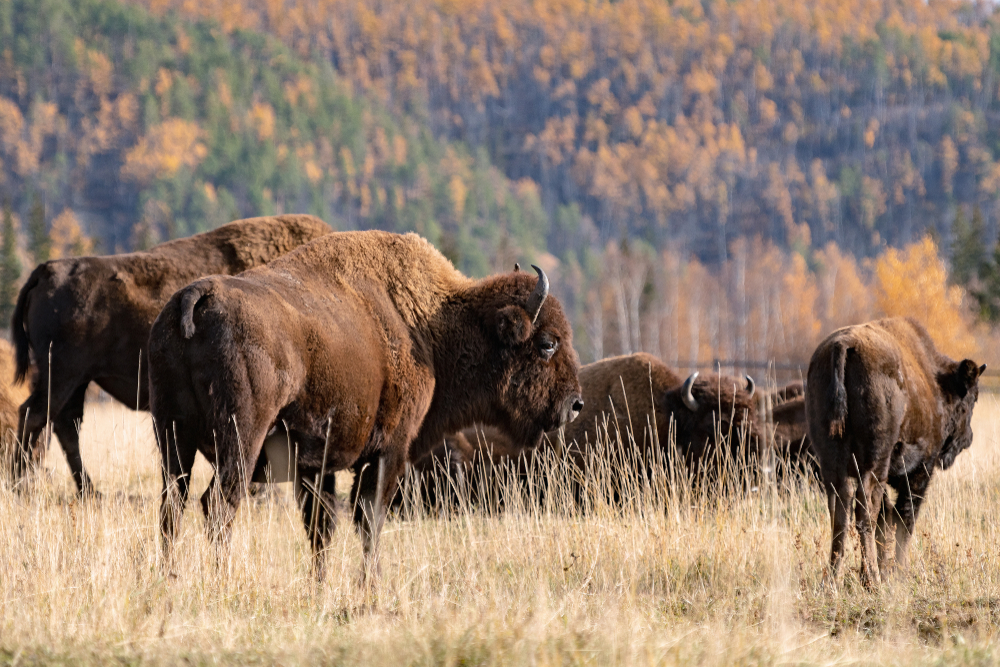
[(575, 406)]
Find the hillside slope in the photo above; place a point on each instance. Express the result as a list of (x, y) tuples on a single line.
[(149, 128)]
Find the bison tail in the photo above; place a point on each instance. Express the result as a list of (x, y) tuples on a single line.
[(839, 402), (189, 300), (18, 333)]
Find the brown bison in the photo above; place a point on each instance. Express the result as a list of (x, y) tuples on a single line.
[(11, 397), (884, 407), (785, 410), (466, 465), (91, 316), (639, 394), (366, 347), (635, 394)]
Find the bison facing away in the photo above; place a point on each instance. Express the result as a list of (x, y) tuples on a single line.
[(91, 316), (884, 407), (366, 347)]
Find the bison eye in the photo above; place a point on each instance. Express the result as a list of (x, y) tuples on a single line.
[(547, 347)]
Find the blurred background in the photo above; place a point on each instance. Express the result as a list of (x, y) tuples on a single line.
[(714, 182)]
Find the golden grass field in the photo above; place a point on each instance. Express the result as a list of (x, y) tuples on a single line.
[(674, 581)]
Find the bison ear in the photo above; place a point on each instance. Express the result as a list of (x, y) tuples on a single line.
[(963, 378), (512, 325)]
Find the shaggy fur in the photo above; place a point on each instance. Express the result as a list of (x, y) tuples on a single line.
[(11, 396), (884, 407), (368, 347), (785, 411), (93, 315)]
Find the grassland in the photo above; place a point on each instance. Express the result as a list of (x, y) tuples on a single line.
[(673, 580)]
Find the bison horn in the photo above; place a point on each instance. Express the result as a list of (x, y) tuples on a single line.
[(517, 267), (751, 386), (538, 297), (689, 399)]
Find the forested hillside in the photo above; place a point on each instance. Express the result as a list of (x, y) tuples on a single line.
[(148, 128), (689, 122), (701, 179)]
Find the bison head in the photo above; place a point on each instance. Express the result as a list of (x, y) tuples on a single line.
[(538, 388), (504, 358), (960, 386), (705, 407)]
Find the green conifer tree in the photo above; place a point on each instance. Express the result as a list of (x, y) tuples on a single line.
[(38, 235), (968, 254), (10, 265)]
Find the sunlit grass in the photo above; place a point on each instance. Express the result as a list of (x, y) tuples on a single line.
[(670, 578)]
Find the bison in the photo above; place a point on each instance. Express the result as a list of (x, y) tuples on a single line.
[(635, 396), (466, 465), (884, 407), (785, 410), (11, 397), (641, 395), (91, 317), (367, 348)]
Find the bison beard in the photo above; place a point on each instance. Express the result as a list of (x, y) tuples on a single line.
[(366, 347), (92, 315), (884, 407)]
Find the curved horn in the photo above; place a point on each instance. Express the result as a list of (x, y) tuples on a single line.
[(751, 386), (517, 267), (537, 298), (688, 397)]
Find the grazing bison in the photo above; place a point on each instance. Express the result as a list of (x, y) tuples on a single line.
[(92, 315), (791, 432), (366, 347), (884, 407), (640, 393), (785, 409), (466, 465), (657, 403)]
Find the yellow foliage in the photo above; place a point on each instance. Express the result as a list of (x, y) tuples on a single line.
[(262, 120), (166, 148), (914, 282), (68, 239), (458, 192)]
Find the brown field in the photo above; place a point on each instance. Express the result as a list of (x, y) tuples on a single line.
[(665, 581)]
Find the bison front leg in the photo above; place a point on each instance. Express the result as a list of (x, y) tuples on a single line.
[(375, 481), (868, 503), (319, 515), (912, 489)]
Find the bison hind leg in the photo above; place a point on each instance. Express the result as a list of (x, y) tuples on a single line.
[(840, 495), (177, 460), (884, 536), (868, 505), (66, 426)]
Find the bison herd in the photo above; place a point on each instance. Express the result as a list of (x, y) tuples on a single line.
[(281, 350)]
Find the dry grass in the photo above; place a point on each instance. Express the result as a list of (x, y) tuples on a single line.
[(663, 582)]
